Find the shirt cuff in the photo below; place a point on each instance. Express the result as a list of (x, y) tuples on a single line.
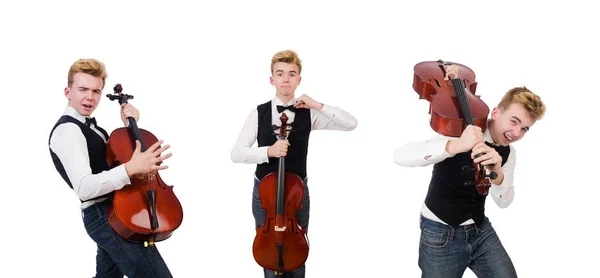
[(499, 190), (121, 177), (263, 155), (327, 111), (437, 149)]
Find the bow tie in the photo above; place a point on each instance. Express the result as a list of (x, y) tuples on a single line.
[(89, 121), (281, 108)]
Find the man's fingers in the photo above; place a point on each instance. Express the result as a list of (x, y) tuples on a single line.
[(138, 146), (155, 146), (161, 167)]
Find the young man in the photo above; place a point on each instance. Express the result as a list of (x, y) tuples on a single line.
[(78, 149), (455, 233), (305, 115)]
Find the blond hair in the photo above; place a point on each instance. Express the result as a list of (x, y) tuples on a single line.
[(287, 56), (90, 66), (530, 101)]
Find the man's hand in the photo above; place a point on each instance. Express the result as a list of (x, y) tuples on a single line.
[(305, 101), (278, 149), (145, 162), (127, 110)]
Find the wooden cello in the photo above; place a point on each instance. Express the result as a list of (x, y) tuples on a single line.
[(453, 106), (146, 210), (281, 244)]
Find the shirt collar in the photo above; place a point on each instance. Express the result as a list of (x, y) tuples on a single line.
[(70, 111), (487, 136), (277, 101)]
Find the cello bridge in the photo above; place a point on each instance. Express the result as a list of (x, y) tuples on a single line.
[(148, 176), (279, 229)]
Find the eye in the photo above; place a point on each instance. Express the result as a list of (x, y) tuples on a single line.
[(513, 122)]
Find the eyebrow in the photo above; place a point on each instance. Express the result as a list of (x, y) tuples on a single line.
[(86, 88), (282, 71), (517, 118)]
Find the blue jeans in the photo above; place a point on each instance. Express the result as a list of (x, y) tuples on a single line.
[(302, 215), (446, 251), (117, 256)]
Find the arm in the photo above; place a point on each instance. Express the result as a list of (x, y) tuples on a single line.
[(332, 118), (504, 193), (326, 117), (69, 144), (242, 151), (423, 153)]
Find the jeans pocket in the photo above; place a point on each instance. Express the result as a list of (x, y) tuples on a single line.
[(435, 238), (101, 232)]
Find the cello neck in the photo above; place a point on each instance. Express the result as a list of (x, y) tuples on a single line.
[(461, 95), (280, 210), (133, 128), (459, 90), (137, 135)]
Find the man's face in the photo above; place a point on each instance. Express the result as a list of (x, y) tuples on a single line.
[(85, 92), (285, 78), (511, 124)]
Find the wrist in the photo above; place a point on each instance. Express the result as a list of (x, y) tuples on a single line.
[(318, 105), (498, 181), (129, 169), (450, 147)]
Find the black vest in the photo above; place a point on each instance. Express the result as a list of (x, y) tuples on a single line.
[(448, 198), (295, 160), (96, 150)]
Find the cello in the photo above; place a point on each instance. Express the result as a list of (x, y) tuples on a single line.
[(450, 89), (281, 244), (146, 210)]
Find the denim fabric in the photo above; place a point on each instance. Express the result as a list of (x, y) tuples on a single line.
[(302, 215), (446, 251), (117, 256)]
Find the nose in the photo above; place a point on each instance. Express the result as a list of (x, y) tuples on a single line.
[(519, 132)]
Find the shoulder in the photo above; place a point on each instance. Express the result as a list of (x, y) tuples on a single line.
[(264, 105), (512, 151), (64, 132), (66, 128)]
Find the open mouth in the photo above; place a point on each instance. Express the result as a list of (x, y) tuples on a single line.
[(510, 139), (87, 106)]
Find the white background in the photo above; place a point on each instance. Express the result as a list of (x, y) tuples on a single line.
[(197, 71)]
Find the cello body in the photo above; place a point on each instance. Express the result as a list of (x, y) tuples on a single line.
[(433, 84), (295, 248), (147, 209), (280, 243)]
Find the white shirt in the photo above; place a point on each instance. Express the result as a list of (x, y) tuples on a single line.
[(331, 118), (413, 154), (70, 145)]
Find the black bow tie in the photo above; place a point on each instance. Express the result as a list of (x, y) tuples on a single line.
[(89, 121), (281, 108)]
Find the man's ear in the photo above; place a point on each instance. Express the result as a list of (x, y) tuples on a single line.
[(495, 112)]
